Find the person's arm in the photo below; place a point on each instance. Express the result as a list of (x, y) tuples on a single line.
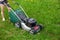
[(7, 5)]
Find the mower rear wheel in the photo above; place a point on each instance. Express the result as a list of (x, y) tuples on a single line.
[(18, 25)]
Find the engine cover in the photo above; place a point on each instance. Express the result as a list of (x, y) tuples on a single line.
[(31, 22)]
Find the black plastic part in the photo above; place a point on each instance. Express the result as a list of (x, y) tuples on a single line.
[(32, 31)]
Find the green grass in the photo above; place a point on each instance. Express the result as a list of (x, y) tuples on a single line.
[(46, 12)]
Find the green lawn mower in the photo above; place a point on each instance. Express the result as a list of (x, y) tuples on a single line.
[(21, 20)]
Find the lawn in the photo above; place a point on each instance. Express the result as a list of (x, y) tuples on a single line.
[(46, 12)]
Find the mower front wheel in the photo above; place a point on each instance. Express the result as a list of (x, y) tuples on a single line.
[(36, 29)]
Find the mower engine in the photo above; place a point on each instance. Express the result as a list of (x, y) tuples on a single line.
[(31, 22), (33, 25)]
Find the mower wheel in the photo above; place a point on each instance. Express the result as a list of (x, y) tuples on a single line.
[(34, 30), (18, 25), (41, 26)]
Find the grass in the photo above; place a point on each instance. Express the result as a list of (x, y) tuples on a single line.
[(46, 12)]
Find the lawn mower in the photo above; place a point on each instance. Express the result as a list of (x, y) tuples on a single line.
[(21, 20)]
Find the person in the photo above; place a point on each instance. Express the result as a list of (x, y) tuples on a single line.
[(2, 4)]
